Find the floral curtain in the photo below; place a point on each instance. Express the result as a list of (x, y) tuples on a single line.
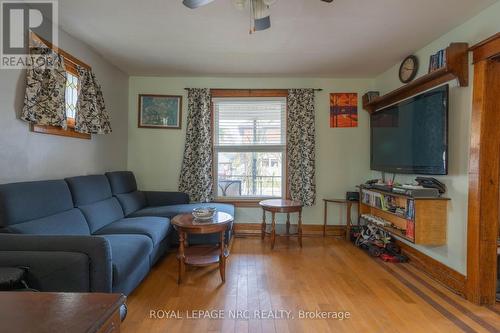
[(301, 146), (91, 116), (44, 99), (196, 174)]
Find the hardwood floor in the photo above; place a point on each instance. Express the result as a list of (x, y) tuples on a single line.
[(327, 275)]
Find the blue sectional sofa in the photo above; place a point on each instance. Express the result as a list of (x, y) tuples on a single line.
[(90, 233)]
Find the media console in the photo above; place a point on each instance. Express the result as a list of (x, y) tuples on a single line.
[(421, 221)]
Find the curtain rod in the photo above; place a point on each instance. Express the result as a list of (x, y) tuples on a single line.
[(317, 89)]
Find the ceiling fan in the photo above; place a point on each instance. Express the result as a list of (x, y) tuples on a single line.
[(260, 14)]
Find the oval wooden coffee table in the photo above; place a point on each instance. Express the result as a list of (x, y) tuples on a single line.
[(281, 206), (202, 255)]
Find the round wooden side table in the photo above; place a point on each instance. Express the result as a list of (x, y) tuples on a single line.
[(202, 255), (281, 206)]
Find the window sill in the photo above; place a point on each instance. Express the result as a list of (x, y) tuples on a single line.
[(248, 203), (54, 130)]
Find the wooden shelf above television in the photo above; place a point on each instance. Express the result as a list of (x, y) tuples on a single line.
[(457, 67)]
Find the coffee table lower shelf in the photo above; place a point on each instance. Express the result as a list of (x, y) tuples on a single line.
[(202, 255)]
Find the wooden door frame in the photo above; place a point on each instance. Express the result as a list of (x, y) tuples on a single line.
[(484, 175)]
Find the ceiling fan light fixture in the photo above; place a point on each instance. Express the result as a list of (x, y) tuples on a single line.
[(261, 15), (196, 3), (262, 23)]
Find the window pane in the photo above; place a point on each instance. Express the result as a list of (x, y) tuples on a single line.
[(249, 174), (71, 94), (249, 122)]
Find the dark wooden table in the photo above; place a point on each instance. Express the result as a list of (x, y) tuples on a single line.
[(348, 204), (202, 255), (281, 206), (60, 312)]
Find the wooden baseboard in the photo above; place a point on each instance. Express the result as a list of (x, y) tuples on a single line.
[(438, 271), (308, 230)]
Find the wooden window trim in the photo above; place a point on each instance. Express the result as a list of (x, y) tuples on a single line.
[(245, 203), (67, 56), (242, 93), (245, 93), (56, 130), (70, 65)]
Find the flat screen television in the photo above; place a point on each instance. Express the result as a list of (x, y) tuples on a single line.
[(412, 136)]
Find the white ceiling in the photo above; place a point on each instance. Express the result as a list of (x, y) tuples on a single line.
[(347, 38)]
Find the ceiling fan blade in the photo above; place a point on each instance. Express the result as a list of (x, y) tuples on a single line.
[(196, 3), (327, 1)]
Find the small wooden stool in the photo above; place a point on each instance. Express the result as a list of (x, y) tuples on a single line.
[(348, 204), (281, 206)]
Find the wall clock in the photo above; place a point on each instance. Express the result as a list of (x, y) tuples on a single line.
[(408, 69)]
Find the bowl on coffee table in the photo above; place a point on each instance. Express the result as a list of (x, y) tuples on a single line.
[(204, 213)]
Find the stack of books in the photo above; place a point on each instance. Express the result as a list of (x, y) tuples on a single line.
[(437, 61), (410, 229), (373, 199)]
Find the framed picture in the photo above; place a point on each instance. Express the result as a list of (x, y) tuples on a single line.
[(343, 110), (160, 111)]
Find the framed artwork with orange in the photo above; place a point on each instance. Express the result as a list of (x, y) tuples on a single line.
[(343, 110)]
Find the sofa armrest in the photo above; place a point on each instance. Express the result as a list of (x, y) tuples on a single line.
[(154, 198), (51, 271), (97, 249)]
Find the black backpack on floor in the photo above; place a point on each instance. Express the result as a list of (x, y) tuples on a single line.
[(14, 279)]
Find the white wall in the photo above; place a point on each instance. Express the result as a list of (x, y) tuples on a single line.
[(32, 156), (474, 30), (342, 155)]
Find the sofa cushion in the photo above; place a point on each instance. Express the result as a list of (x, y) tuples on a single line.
[(160, 250), (89, 189), (92, 194), (128, 254), (21, 202), (162, 198), (70, 222), (124, 187), (171, 211), (131, 202), (156, 228), (102, 213), (122, 182)]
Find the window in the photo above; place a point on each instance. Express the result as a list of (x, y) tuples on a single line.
[(250, 147), (71, 95)]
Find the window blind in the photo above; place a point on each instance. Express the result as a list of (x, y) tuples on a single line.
[(250, 122)]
